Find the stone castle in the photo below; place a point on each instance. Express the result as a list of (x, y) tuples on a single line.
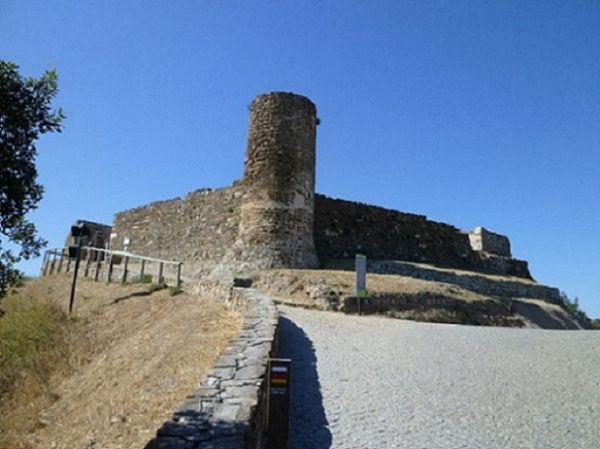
[(273, 218)]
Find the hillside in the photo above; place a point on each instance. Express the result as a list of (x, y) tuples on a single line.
[(122, 364), (424, 293)]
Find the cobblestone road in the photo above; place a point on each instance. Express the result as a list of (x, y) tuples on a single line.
[(370, 382)]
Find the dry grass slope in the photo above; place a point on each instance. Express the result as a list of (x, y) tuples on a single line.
[(110, 376)]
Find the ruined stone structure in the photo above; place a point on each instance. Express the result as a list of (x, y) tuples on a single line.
[(274, 219), (99, 235), (483, 240)]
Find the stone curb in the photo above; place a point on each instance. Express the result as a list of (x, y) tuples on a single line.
[(228, 410)]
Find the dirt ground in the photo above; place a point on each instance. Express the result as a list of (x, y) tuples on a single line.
[(133, 358)]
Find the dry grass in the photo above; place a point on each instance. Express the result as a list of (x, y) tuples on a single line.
[(295, 285), (129, 358)]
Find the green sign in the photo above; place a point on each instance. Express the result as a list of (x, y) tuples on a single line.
[(361, 276)]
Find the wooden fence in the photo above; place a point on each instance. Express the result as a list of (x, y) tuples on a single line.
[(112, 265)]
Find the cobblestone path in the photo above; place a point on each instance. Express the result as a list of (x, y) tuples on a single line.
[(370, 382)]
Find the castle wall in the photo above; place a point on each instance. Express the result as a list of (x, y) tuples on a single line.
[(345, 228), (197, 229), (202, 227)]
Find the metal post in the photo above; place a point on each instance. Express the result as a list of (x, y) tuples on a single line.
[(160, 273), (179, 275), (73, 285)]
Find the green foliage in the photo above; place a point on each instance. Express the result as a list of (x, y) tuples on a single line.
[(175, 291), (156, 287), (30, 333), (572, 306), (595, 323), (142, 279), (25, 114)]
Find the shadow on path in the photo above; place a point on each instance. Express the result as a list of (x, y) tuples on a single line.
[(309, 426)]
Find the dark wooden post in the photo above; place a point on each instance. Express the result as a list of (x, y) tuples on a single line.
[(179, 275), (87, 262), (53, 263), (142, 269), (110, 269), (160, 273), (60, 261), (45, 264), (97, 266), (124, 279)]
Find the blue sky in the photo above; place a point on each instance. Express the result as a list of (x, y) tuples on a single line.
[(470, 112)]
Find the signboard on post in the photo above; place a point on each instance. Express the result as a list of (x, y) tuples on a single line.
[(361, 279), (278, 403)]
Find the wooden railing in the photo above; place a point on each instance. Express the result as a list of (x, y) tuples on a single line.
[(97, 260)]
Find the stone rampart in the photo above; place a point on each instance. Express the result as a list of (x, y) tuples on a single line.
[(197, 229), (202, 227), (345, 228)]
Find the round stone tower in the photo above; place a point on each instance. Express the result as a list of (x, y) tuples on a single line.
[(276, 222)]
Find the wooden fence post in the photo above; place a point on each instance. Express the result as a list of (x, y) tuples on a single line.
[(160, 273), (45, 264), (142, 269), (97, 266), (179, 275), (110, 269), (124, 279), (87, 262), (60, 261), (53, 263)]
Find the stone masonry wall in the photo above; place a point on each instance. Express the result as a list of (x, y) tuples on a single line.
[(197, 229), (345, 228), (228, 410), (202, 227), (276, 223), (483, 240)]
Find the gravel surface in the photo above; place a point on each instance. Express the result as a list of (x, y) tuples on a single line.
[(371, 382)]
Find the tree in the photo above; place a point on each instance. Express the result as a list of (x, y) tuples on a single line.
[(25, 114)]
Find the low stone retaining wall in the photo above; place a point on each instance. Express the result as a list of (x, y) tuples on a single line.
[(228, 410), (435, 308)]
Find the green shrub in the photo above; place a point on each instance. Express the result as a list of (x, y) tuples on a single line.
[(572, 306), (156, 287), (175, 291), (142, 279)]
